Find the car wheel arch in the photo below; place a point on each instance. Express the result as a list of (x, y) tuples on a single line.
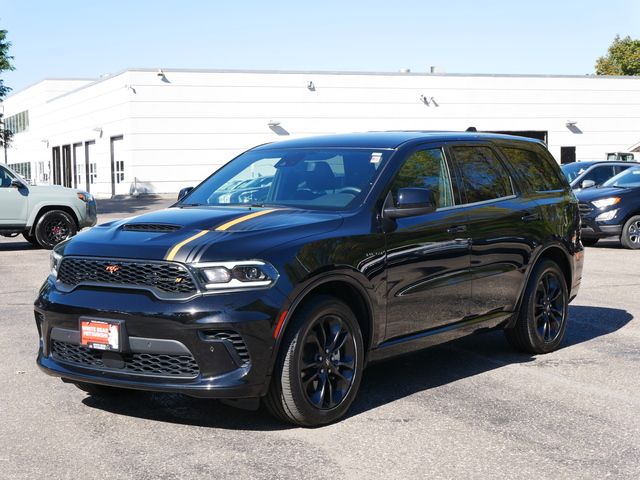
[(554, 252), (48, 208), (344, 287)]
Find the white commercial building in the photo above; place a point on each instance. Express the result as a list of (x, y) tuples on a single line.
[(146, 130)]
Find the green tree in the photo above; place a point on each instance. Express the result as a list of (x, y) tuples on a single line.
[(622, 58), (5, 62), (6, 135)]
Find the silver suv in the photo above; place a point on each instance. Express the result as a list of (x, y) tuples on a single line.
[(45, 215)]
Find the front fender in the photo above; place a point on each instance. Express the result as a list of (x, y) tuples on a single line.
[(38, 206)]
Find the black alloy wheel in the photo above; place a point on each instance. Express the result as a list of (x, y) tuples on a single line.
[(54, 227), (630, 237), (319, 365), (328, 362), (549, 307), (542, 320)]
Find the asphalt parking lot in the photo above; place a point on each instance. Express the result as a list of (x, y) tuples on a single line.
[(468, 409)]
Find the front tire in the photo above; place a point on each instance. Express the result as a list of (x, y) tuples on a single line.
[(319, 366), (630, 237), (542, 320), (54, 227)]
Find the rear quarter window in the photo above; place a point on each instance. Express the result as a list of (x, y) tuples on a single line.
[(534, 168)]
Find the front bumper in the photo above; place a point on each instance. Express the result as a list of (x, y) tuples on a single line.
[(214, 346), (592, 229), (90, 217)]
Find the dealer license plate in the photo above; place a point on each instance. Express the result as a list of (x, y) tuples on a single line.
[(101, 335)]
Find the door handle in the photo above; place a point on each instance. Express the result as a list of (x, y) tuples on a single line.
[(530, 217), (456, 229)]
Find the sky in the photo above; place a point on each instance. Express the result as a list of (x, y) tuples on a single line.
[(89, 38)]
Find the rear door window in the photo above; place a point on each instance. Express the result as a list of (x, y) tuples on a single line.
[(482, 175)]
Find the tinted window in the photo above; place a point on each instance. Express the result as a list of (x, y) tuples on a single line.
[(535, 169), (324, 178), (621, 168), (426, 169), (5, 178), (599, 174), (483, 176), (572, 170)]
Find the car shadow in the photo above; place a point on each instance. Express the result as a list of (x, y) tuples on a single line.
[(383, 383), (16, 246)]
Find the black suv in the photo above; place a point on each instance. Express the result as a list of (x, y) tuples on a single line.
[(612, 210), (362, 247)]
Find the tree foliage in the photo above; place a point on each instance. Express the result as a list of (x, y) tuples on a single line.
[(622, 58)]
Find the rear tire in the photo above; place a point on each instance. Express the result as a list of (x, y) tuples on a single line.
[(542, 320), (589, 242), (101, 390), (630, 237), (319, 365), (54, 227)]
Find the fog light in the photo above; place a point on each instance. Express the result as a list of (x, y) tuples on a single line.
[(606, 216)]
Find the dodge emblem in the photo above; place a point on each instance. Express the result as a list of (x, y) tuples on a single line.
[(112, 268)]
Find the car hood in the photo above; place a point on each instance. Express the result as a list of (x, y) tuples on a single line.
[(595, 193), (52, 190), (201, 234)]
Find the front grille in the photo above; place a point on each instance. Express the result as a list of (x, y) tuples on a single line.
[(165, 277), (585, 208), (236, 341), (150, 364), (150, 227)]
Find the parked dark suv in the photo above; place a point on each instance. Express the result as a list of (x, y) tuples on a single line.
[(612, 210), (363, 246)]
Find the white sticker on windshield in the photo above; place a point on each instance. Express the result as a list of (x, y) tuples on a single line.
[(376, 157)]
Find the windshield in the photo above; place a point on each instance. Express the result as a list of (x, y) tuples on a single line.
[(324, 178), (627, 179), (572, 170)]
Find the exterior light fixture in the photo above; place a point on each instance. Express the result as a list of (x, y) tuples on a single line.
[(311, 86), (571, 123), (273, 123)]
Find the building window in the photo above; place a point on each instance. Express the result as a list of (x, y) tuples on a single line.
[(23, 169), (120, 171), (93, 173), (18, 123)]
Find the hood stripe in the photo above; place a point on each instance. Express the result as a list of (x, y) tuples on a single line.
[(244, 218), (225, 226), (176, 248)]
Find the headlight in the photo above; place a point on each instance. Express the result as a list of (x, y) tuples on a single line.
[(54, 262), (245, 274), (85, 197), (606, 202), (606, 216)]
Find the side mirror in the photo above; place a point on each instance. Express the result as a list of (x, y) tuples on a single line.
[(587, 184), (17, 183), (411, 203), (184, 192)]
